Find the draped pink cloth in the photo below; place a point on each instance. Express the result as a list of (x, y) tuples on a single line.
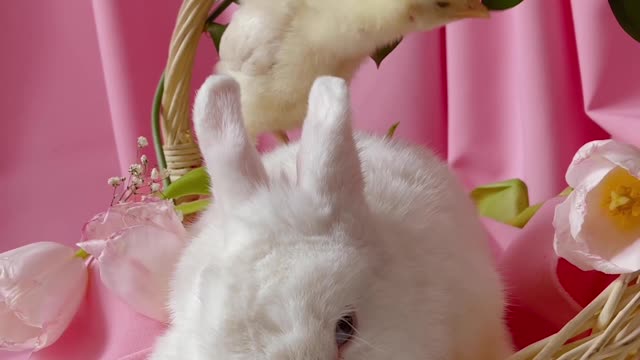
[(513, 96)]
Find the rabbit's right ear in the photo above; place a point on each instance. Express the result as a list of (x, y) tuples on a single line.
[(231, 160)]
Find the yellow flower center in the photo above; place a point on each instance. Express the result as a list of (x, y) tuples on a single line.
[(622, 199)]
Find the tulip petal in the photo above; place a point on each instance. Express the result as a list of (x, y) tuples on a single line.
[(14, 334), (151, 211), (595, 153), (565, 245), (136, 245), (161, 213), (627, 258), (102, 225), (41, 288), (579, 227), (137, 264), (604, 240)]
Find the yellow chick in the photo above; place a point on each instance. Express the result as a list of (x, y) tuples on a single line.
[(275, 49)]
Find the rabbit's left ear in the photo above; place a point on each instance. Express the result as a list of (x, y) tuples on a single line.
[(328, 161), (231, 160)]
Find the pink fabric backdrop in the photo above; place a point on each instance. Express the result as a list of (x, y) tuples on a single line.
[(514, 96)]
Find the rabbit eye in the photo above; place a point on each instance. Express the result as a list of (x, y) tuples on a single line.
[(443, 4), (345, 329)]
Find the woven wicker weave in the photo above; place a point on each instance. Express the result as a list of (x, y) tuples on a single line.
[(180, 151), (608, 328)]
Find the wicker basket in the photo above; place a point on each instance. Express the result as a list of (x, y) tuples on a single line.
[(608, 328)]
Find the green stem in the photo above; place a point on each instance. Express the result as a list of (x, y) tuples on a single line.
[(82, 254), (219, 10), (155, 125)]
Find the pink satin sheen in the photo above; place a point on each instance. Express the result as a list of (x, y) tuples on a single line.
[(512, 96)]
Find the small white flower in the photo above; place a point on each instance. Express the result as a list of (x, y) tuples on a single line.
[(114, 181), (155, 187), (136, 181), (142, 142), (143, 159), (135, 169), (155, 175)]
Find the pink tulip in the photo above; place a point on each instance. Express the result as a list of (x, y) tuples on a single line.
[(137, 246), (150, 211), (598, 225), (41, 287)]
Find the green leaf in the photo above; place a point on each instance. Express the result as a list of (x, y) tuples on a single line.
[(500, 4), (627, 12), (508, 202), (216, 31), (392, 130), (193, 206), (379, 55), (195, 182), (502, 201)]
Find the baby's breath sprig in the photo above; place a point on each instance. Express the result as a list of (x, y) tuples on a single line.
[(115, 182), (142, 142), (141, 181)]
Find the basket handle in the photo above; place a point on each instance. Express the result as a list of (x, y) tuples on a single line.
[(174, 141)]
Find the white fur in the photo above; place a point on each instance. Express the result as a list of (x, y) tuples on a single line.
[(314, 229)]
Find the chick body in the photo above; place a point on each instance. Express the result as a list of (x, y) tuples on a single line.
[(276, 49)]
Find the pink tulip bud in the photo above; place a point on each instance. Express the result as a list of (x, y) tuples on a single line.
[(41, 287), (137, 246)]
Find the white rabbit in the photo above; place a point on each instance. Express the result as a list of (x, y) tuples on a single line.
[(336, 247)]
